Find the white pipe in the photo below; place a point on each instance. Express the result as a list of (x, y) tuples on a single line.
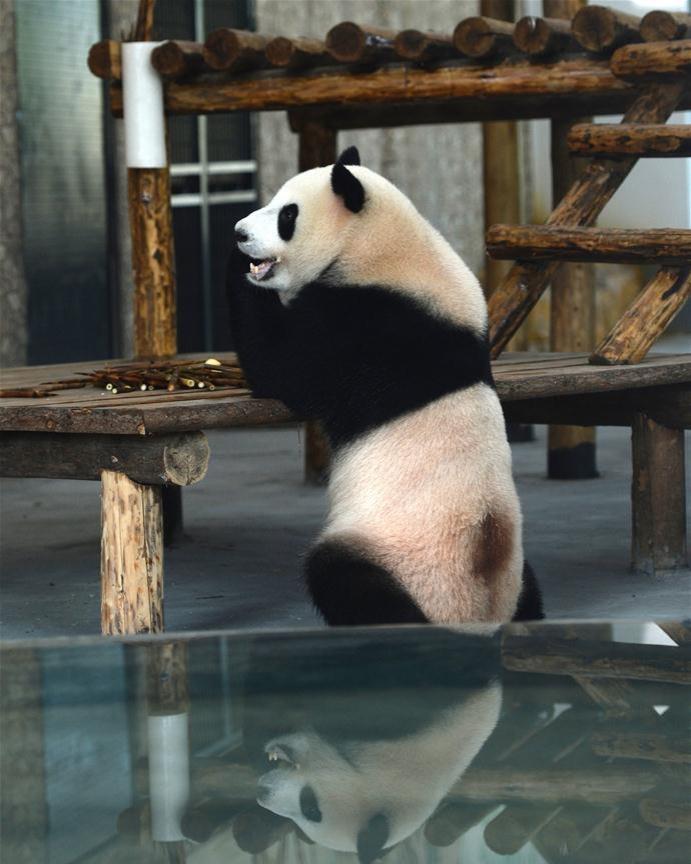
[(169, 775), (142, 98)]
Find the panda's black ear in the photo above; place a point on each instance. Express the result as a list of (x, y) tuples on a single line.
[(347, 186), (350, 156), (371, 839)]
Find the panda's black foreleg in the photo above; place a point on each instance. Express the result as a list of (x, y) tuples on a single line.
[(349, 589), (530, 599)]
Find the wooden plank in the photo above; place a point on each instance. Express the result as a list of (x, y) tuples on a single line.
[(653, 61), (587, 197), (612, 140), (670, 246), (658, 497), (647, 318), (554, 656), (131, 556), (167, 459)]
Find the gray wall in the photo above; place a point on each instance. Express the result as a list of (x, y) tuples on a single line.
[(13, 294), (438, 167)]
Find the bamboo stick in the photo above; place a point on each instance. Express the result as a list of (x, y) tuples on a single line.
[(482, 37), (230, 50), (646, 319), (348, 42), (539, 37), (658, 26), (599, 28), (671, 246), (653, 60)]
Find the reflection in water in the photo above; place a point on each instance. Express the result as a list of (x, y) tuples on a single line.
[(534, 744)]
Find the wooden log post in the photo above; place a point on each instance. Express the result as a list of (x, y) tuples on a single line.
[(500, 183), (131, 556), (660, 26), (646, 319), (316, 147), (584, 201), (351, 43), (599, 28), (571, 450), (618, 140), (658, 497)]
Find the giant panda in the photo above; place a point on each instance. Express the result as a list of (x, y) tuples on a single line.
[(347, 305)]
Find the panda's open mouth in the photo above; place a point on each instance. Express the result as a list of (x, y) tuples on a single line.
[(262, 269), (281, 755)]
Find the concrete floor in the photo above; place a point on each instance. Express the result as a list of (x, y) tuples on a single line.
[(248, 522)]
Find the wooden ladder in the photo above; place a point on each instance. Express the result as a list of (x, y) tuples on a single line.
[(658, 489)]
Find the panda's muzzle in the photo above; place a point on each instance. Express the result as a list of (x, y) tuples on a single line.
[(262, 269)]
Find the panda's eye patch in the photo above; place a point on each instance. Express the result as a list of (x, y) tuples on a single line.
[(309, 806), (287, 218)]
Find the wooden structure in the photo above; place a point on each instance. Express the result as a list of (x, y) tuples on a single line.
[(359, 77)]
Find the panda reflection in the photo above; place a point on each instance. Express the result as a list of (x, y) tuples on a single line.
[(349, 307), (366, 738)]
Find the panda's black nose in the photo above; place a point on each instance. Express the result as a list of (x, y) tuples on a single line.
[(240, 235)]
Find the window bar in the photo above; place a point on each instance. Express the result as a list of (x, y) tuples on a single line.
[(202, 144)]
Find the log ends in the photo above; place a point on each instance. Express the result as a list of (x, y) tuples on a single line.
[(348, 42), (481, 37), (599, 28), (227, 49), (175, 59), (185, 458), (104, 60), (661, 26), (542, 36)]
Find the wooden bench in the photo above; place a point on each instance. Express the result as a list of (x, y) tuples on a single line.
[(138, 442)]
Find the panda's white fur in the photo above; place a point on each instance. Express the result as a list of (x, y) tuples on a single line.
[(427, 496)]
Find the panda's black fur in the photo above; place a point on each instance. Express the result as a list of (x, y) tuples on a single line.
[(354, 357)]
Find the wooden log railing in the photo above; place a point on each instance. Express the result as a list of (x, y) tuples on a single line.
[(599, 28), (539, 37), (671, 246), (658, 26), (176, 59), (646, 319), (230, 50), (482, 37), (612, 140), (424, 47), (510, 304), (348, 42)]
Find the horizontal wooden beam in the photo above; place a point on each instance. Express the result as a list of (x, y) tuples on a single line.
[(646, 319), (653, 60), (180, 460), (666, 813), (599, 28), (548, 83), (670, 664), (650, 746), (612, 140), (670, 246)]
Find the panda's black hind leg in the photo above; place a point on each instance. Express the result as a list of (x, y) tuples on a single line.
[(530, 600), (349, 589)]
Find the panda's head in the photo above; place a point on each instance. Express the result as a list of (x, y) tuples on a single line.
[(305, 227)]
